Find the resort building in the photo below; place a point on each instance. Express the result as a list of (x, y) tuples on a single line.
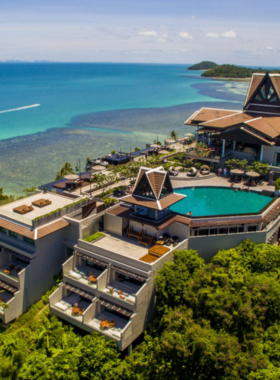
[(252, 133), (109, 283), (35, 239)]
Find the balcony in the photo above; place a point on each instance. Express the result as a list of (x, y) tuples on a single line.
[(123, 289), (115, 326), (5, 297), (73, 306), (13, 269), (86, 275)]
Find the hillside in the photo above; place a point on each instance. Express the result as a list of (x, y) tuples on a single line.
[(204, 65), (232, 71)]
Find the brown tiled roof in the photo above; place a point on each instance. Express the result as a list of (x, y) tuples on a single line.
[(229, 121), (125, 212), (50, 228), (207, 114), (142, 171), (156, 179), (24, 231), (170, 200), (275, 79), (260, 137), (224, 222), (254, 84), (153, 204), (268, 126)]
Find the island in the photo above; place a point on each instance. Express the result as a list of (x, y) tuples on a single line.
[(204, 65), (233, 71)]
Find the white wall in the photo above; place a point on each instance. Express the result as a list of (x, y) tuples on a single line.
[(113, 224), (137, 226), (269, 153)]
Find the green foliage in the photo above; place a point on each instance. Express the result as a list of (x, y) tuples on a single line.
[(232, 71), (173, 135), (4, 199), (94, 236), (113, 152), (235, 163), (109, 201), (198, 165), (277, 184), (29, 189), (204, 65), (66, 169), (258, 167)]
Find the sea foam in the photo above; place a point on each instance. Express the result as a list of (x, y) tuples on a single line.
[(20, 108)]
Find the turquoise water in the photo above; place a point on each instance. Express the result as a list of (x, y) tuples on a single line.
[(36, 97), (219, 201)]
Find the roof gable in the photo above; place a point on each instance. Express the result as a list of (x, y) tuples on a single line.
[(263, 94)]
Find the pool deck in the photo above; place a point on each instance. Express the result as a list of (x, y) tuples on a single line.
[(215, 181)]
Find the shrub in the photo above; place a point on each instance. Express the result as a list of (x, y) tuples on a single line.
[(198, 165), (277, 184), (94, 236)]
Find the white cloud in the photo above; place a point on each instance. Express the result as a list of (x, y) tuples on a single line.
[(270, 48), (212, 35), (161, 40), (193, 17), (186, 35), (148, 33), (229, 34), (164, 35)]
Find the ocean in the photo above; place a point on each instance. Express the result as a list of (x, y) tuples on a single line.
[(56, 112)]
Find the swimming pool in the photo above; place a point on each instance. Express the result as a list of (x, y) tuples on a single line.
[(204, 201)]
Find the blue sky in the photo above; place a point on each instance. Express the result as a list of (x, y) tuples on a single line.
[(179, 31)]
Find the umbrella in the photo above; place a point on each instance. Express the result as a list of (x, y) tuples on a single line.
[(237, 171), (253, 174), (188, 134), (71, 176)]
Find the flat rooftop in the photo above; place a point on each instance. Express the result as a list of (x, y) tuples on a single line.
[(57, 201), (122, 245)]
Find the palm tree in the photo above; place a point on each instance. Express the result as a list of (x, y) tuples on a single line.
[(68, 168), (173, 135)]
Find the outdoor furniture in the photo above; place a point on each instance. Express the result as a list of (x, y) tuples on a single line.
[(92, 279), (192, 172), (7, 271), (130, 232), (158, 250), (160, 242), (75, 310), (146, 239), (104, 323)]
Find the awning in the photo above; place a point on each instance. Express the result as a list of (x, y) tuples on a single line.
[(115, 307), (81, 293), (8, 287), (92, 259), (129, 274)]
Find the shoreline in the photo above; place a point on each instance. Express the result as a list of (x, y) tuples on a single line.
[(230, 79)]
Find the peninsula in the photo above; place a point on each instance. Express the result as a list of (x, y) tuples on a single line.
[(233, 71), (204, 65)]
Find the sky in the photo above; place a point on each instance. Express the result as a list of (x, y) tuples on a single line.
[(243, 32)]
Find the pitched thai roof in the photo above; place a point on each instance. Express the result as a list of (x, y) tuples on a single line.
[(155, 181), (264, 94), (154, 204), (207, 114), (229, 121)]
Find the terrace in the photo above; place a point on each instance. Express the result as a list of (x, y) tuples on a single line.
[(5, 297), (73, 305), (86, 275), (109, 322), (124, 287), (13, 269)]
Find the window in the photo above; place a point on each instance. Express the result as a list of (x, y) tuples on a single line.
[(214, 231), (233, 230), (223, 231), (252, 228), (2, 229), (203, 232), (12, 233), (28, 240), (241, 229)]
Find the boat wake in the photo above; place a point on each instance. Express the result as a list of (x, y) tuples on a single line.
[(20, 108)]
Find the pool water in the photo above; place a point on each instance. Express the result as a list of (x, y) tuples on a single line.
[(202, 201)]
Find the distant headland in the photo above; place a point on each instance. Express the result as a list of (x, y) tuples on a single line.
[(204, 65), (234, 72)]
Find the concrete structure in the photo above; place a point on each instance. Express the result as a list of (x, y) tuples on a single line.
[(109, 283), (35, 240)]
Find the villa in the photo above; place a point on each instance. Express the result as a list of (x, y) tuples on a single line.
[(109, 283), (35, 240), (252, 134)]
